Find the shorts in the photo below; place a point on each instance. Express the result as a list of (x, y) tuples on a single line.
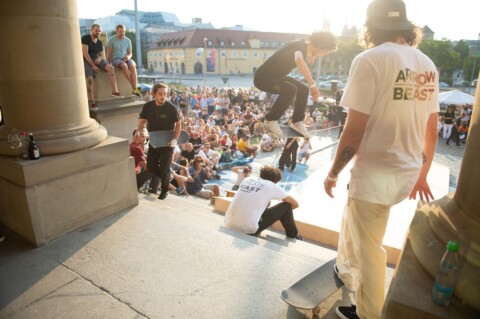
[(117, 62), (302, 155), (89, 70), (206, 192)]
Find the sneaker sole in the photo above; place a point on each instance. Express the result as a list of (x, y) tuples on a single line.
[(272, 132)]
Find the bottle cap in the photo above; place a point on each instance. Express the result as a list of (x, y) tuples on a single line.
[(452, 246)]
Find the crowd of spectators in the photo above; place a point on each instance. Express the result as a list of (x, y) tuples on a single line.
[(223, 125), (454, 123)]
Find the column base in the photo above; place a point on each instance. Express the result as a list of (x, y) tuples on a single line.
[(410, 292), (47, 198)]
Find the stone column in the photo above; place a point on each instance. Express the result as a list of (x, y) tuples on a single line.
[(455, 217), (82, 175), (42, 82)]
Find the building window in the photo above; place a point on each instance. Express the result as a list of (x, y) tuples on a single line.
[(245, 54), (234, 54), (243, 43), (255, 54), (182, 53), (265, 55), (222, 43), (176, 53), (209, 43), (199, 52), (223, 53), (232, 43)]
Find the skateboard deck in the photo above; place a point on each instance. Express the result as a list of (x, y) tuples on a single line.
[(311, 290), (287, 132), (161, 138)]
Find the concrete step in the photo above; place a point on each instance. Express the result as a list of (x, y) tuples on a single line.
[(200, 211)]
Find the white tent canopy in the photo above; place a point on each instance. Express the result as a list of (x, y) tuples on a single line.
[(455, 97)]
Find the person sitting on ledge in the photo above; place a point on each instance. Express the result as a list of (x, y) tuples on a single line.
[(119, 54), (247, 212), (94, 60)]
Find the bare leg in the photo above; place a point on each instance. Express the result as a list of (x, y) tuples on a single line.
[(90, 94), (111, 78), (133, 74), (126, 72)]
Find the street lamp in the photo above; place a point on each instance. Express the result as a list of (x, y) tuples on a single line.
[(205, 41), (474, 63)]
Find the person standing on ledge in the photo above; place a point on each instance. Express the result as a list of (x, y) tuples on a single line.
[(391, 128), (119, 54), (160, 115), (272, 77)]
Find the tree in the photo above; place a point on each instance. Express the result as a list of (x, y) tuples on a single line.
[(343, 56), (442, 54), (467, 68), (463, 49)]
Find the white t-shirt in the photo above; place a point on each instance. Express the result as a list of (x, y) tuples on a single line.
[(397, 86), (249, 203)]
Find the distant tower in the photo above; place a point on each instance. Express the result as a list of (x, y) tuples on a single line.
[(427, 33), (327, 24)]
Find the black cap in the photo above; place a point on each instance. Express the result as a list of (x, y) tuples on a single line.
[(388, 15)]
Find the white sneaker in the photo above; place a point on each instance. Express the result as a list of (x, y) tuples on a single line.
[(272, 127), (300, 128)]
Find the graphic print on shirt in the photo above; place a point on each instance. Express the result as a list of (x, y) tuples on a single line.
[(251, 186), (410, 85)]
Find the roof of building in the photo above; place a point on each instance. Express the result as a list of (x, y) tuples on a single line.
[(230, 38)]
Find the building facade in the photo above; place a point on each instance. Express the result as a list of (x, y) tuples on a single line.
[(214, 51)]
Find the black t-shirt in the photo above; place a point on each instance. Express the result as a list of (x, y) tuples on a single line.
[(160, 118), (449, 117), (188, 155), (94, 48), (282, 61)]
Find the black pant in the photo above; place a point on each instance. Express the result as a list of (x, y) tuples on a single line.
[(289, 155), (158, 162), (142, 177), (283, 212), (291, 92)]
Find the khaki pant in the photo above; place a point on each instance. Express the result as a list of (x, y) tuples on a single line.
[(361, 258)]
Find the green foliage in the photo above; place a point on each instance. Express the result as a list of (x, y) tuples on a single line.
[(345, 53), (468, 66), (443, 55), (463, 49)]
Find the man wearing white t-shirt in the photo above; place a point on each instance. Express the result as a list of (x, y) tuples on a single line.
[(249, 211), (391, 129)]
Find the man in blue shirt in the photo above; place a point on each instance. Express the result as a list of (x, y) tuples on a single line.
[(119, 54)]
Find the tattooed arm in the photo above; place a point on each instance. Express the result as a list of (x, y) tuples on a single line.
[(421, 186), (350, 140)]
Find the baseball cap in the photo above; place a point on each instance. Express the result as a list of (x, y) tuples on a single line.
[(388, 15)]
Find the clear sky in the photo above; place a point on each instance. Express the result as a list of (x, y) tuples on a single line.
[(454, 20)]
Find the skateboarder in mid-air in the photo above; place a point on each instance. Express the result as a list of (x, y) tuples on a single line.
[(272, 76)]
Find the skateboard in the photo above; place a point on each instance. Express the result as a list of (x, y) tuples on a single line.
[(161, 138), (311, 290), (288, 132)]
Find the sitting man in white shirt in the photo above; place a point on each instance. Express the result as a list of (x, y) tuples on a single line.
[(249, 211), (210, 157)]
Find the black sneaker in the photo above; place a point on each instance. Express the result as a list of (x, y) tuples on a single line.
[(163, 195), (347, 312)]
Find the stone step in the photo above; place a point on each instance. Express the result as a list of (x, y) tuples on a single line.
[(200, 211)]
